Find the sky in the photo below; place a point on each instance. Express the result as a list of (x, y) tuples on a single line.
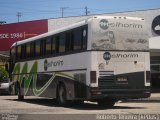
[(44, 9)]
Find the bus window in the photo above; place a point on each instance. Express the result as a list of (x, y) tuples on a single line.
[(43, 47), (12, 50), (13, 54), (55, 44), (77, 39), (62, 43), (84, 37), (23, 51), (48, 46), (69, 41), (18, 52), (28, 50), (32, 50), (37, 48)]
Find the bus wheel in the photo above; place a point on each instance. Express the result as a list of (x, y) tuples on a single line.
[(61, 95), (108, 103), (20, 96)]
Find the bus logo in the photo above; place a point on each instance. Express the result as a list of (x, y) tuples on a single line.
[(50, 64), (107, 56), (104, 24), (156, 25)]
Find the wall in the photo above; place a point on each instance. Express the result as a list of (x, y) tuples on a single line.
[(148, 15)]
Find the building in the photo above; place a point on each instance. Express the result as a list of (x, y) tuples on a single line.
[(10, 33)]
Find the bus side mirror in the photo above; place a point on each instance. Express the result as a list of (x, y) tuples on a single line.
[(6, 67)]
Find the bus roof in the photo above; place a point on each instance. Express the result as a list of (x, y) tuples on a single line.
[(73, 26), (50, 33)]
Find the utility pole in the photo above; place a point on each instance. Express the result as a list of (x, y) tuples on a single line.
[(86, 11), (19, 14), (63, 8)]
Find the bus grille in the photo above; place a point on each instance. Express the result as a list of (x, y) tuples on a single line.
[(106, 78)]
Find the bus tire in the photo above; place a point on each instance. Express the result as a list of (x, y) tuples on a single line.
[(107, 103), (61, 95)]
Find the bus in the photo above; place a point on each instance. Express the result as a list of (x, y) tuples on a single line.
[(102, 59)]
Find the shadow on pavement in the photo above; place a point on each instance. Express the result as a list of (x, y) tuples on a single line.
[(72, 105), (141, 101)]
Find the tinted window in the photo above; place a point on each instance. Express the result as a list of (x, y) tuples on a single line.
[(62, 43), (37, 48), (23, 51), (42, 47), (32, 49), (18, 52), (28, 50), (55, 44), (13, 50), (48, 46), (84, 37), (13, 53), (77, 39), (69, 41)]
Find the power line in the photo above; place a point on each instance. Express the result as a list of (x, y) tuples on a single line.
[(62, 10)]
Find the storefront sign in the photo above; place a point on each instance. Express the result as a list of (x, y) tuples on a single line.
[(10, 33)]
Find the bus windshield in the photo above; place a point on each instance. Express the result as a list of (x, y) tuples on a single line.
[(119, 34)]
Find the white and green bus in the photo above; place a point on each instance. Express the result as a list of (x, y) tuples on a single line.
[(102, 59)]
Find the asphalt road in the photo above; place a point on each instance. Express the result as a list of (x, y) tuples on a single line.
[(41, 109)]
